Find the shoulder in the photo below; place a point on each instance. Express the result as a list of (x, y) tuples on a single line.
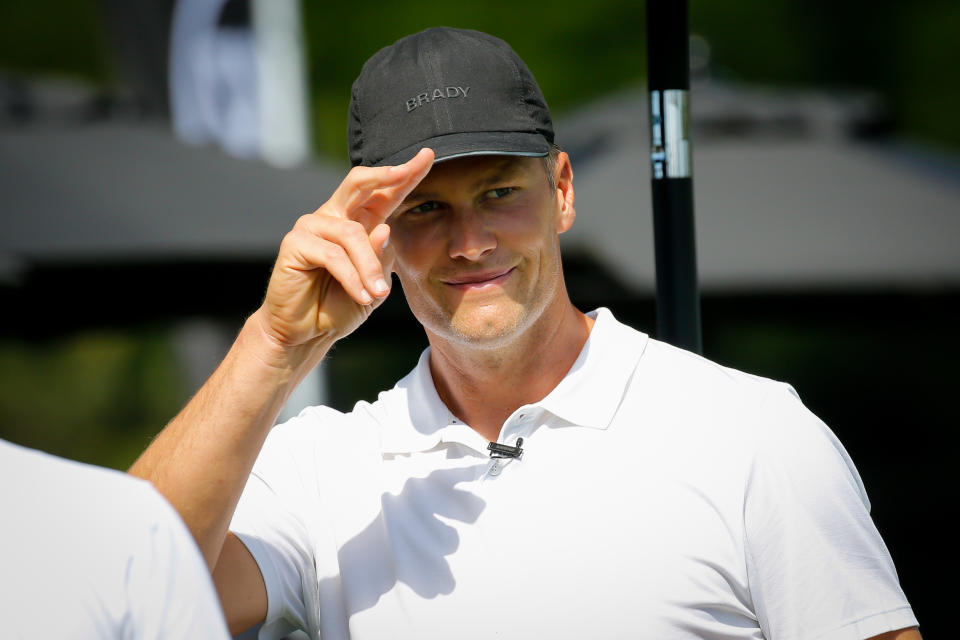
[(674, 371), (683, 394), (700, 374), (321, 436), (690, 401), (326, 426), (66, 488), (368, 425), (757, 420), (679, 381), (97, 530)]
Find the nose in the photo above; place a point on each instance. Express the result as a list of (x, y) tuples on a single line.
[(470, 235)]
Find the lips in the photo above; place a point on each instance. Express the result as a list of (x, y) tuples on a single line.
[(479, 279)]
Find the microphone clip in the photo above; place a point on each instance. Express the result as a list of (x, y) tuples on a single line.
[(498, 450)]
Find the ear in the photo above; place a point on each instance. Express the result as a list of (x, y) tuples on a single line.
[(563, 177)]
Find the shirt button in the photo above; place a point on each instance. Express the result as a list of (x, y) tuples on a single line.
[(495, 469)]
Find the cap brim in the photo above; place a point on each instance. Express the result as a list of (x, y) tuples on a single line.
[(475, 143)]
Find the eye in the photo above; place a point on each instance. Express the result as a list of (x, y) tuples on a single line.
[(500, 192), (425, 207)]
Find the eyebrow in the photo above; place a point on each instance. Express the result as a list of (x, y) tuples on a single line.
[(509, 167)]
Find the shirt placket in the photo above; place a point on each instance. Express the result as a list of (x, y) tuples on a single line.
[(518, 425)]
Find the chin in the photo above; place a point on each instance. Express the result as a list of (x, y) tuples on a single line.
[(492, 323), (490, 326)]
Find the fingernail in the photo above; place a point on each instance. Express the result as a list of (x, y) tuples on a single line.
[(365, 297), (385, 243), (380, 286)]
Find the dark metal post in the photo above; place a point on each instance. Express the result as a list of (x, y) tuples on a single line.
[(671, 157)]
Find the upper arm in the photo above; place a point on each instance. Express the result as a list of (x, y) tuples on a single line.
[(903, 634), (815, 559), (167, 585), (240, 585)]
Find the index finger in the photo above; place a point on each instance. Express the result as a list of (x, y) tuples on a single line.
[(380, 190)]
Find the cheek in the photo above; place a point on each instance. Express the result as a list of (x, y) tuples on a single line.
[(533, 232), (411, 252), (523, 220)]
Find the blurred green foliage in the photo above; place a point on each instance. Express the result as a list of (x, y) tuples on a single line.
[(927, 70), (576, 50), (905, 51), (581, 50), (95, 396), (61, 37)]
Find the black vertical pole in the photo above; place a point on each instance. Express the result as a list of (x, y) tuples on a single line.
[(671, 157)]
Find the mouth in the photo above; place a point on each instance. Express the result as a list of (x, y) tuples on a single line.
[(480, 280)]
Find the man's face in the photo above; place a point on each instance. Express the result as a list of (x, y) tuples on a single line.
[(476, 246)]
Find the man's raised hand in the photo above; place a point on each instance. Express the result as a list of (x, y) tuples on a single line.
[(333, 268), (324, 284)]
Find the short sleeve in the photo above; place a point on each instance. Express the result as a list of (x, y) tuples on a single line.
[(169, 591), (816, 563), (267, 521)]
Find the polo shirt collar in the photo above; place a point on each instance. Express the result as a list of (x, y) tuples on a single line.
[(591, 392), (588, 396), (415, 414)]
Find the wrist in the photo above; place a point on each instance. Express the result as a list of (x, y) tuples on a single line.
[(290, 360)]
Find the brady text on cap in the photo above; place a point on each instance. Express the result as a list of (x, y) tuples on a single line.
[(444, 92)]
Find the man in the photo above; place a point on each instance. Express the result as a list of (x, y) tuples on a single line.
[(633, 489), (94, 553)]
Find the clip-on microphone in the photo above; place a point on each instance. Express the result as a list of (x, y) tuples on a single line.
[(498, 450)]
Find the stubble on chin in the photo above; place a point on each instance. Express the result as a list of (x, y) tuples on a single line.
[(486, 327)]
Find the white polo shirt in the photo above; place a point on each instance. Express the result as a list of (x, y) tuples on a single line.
[(659, 495), (95, 553)]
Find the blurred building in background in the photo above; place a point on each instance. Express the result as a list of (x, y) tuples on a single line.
[(792, 193)]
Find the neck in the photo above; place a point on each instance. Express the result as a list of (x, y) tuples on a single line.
[(483, 386)]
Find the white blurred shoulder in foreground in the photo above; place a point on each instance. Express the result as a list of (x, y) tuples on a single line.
[(94, 553)]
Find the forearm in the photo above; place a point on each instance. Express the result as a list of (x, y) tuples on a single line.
[(201, 460), (329, 276)]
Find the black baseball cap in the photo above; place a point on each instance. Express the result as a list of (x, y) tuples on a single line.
[(457, 91)]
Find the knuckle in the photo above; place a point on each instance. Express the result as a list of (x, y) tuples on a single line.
[(354, 231), (290, 239), (303, 221), (334, 252), (356, 173)]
